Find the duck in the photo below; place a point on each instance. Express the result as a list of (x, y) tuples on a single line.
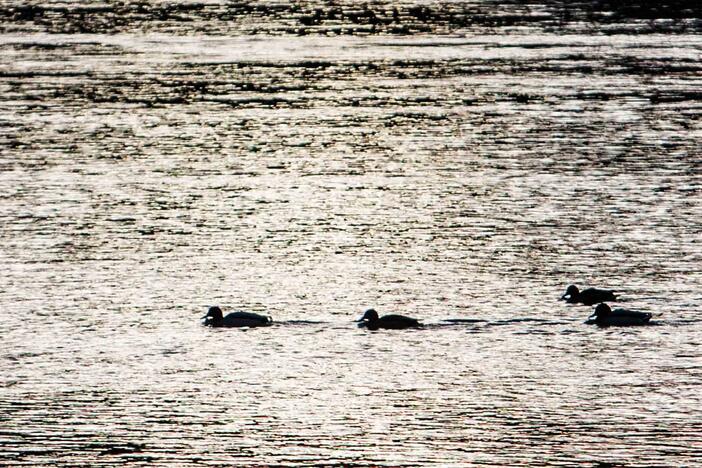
[(214, 318), (371, 321), (604, 316), (589, 296)]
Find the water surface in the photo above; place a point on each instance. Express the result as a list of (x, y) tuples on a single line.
[(158, 159)]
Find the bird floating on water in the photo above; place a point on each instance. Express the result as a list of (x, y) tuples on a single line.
[(371, 321), (604, 316), (588, 296), (214, 318)]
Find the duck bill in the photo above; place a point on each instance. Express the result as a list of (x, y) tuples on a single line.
[(359, 320), (565, 297)]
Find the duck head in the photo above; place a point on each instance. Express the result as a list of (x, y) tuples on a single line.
[(213, 316), (602, 311), (371, 315), (571, 291)]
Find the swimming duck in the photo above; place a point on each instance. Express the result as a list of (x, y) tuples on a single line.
[(371, 321), (604, 316), (214, 318), (588, 296)]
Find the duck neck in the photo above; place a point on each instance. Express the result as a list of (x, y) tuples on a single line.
[(214, 321)]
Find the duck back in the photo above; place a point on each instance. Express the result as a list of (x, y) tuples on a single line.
[(632, 316), (593, 296), (396, 322), (621, 318), (245, 319)]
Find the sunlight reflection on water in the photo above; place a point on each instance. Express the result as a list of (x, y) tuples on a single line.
[(148, 176)]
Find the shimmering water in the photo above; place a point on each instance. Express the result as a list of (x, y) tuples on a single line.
[(451, 160)]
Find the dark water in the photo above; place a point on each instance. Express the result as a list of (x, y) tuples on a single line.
[(308, 160)]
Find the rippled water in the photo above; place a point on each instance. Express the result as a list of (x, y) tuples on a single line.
[(451, 160)]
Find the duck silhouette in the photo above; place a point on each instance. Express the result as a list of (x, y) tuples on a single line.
[(214, 318), (371, 321), (604, 316), (589, 296)]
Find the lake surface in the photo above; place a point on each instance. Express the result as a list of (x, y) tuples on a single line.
[(443, 160)]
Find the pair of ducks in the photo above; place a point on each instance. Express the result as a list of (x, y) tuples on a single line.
[(603, 315), (370, 320)]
